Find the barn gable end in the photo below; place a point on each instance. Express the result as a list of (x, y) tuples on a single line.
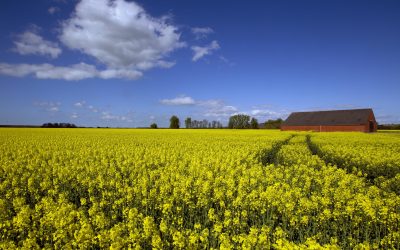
[(362, 120)]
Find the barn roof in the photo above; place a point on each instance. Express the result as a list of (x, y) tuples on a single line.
[(331, 117)]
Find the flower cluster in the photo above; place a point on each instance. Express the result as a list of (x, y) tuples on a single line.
[(377, 156)]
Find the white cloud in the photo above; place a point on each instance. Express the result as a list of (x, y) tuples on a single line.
[(80, 104), (30, 42), (181, 100), (200, 52), (210, 103), (53, 9), (93, 109), (227, 61), (217, 108), (74, 116), (52, 107), (121, 35), (74, 72), (202, 32), (221, 111), (209, 108), (84, 105), (260, 112), (108, 116), (120, 73), (263, 114)]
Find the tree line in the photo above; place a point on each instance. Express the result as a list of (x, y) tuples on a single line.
[(189, 123), (389, 126), (58, 125), (239, 121)]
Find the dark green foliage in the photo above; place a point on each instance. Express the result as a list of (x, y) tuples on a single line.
[(239, 121), (389, 126), (153, 125), (205, 124), (58, 125), (273, 124), (254, 123), (174, 122), (188, 122)]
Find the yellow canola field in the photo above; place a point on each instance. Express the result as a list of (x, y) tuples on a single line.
[(376, 155), (184, 189)]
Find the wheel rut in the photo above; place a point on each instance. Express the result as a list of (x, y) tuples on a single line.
[(268, 156)]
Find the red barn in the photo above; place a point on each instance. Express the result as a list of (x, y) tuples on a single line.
[(362, 120)]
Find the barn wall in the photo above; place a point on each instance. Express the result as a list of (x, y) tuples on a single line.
[(344, 128), (372, 118)]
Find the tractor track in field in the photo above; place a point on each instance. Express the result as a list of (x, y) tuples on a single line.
[(269, 156), (316, 151), (370, 180), (313, 148)]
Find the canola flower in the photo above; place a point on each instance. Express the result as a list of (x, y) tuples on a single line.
[(377, 156), (186, 189)]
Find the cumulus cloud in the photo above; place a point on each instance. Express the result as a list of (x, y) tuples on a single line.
[(53, 10), (260, 112), (203, 32), (120, 34), (84, 105), (221, 111), (93, 109), (217, 108), (264, 113), (226, 60), (181, 100), (199, 52), (74, 116), (209, 108), (30, 42), (73, 72), (210, 103), (80, 104), (52, 107), (108, 116), (119, 73)]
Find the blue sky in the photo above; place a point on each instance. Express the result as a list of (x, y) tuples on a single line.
[(131, 63)]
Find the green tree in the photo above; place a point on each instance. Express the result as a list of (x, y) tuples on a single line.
[(254, 123), (174, 122), (188, 122), (239, 121), (273, 124), (153, 125)]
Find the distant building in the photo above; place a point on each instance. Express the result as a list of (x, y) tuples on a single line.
[(362, 120)]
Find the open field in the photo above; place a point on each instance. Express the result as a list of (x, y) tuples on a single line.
[(198, 189)]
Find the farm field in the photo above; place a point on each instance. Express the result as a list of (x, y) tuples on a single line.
[(198, 189)]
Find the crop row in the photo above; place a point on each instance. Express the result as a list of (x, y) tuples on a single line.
[(330, 206), (375, 155)]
